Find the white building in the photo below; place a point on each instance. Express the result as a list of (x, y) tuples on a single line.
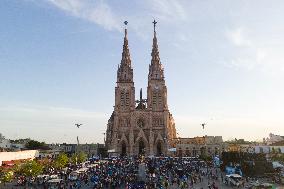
[(21, 155), (269, 149), (4, 143), (273, 139)]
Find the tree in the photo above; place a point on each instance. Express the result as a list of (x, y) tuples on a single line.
[(31, 168), (7, 176), (78, 157), (34, 145), (61, 161), (16, 168), (278, 157), (205, 157)]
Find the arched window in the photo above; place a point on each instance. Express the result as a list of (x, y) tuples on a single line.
[(187, 151), (122, 98), (154, 98), (127, 99), (160, 98), (140, 123), (180, 152)]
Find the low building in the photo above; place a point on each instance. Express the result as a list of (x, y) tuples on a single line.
[(257, 148), (199, 146), (269, 149), (9, 157), (5, 144), (90, 149), (273, 139)]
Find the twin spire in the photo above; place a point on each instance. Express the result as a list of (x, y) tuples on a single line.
[(125, 52), (155, 50), (156, 71)]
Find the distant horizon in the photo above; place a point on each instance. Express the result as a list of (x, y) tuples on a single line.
[(223, 64), (224, 140)]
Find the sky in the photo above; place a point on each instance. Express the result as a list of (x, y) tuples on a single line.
[(223, 61)]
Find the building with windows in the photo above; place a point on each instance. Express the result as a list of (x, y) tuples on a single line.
[(143, 126), (5, 144), (200, 146)]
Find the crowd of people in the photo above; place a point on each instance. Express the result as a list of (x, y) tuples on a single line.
[(144, 173), (131, 173)]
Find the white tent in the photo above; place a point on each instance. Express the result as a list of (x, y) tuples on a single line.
[(172, 149), (276, 164)]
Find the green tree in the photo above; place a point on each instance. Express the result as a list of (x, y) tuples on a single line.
[(31, 168), (34, 145), (205, 157), (46, 163), (61, 161), (7, 176), (16, 168), (78, 157)]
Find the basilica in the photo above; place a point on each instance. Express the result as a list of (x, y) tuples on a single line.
[(140, 126)]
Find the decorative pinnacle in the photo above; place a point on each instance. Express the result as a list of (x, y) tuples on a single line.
[(125, 22), (154, 22)]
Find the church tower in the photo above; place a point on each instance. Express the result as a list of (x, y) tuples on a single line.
[(163, 125), (156, 90), (148, 127), (124, 91), (120, 119)]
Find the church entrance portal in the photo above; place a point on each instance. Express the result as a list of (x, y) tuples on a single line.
[(159, 148), (141, 147), (123, 149)]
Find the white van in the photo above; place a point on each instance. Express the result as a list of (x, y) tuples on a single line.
[(74, 175), (54, 183), (233, 179)]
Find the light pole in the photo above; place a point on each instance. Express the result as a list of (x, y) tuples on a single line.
[(167, 146), (117, 146), (104, 137)]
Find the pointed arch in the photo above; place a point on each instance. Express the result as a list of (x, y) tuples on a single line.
[(124, 139), (159, 145), (141, 147), (159, 138), (141, 144), (123, 145), (123, 150), (141, 135)]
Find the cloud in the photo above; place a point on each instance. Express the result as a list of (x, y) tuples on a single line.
[(168, 10), (252, 51), (109, 17), (238, 38), (98, 12)]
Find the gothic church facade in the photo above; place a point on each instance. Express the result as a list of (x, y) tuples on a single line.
[(143, 126)]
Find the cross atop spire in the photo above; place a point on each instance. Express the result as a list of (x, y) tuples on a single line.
[(154, 22), (125, 29)]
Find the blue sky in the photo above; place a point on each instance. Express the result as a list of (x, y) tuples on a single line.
[(223, 62)]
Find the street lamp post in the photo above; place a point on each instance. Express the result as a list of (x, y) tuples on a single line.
[(167, 146), (118, 140)]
